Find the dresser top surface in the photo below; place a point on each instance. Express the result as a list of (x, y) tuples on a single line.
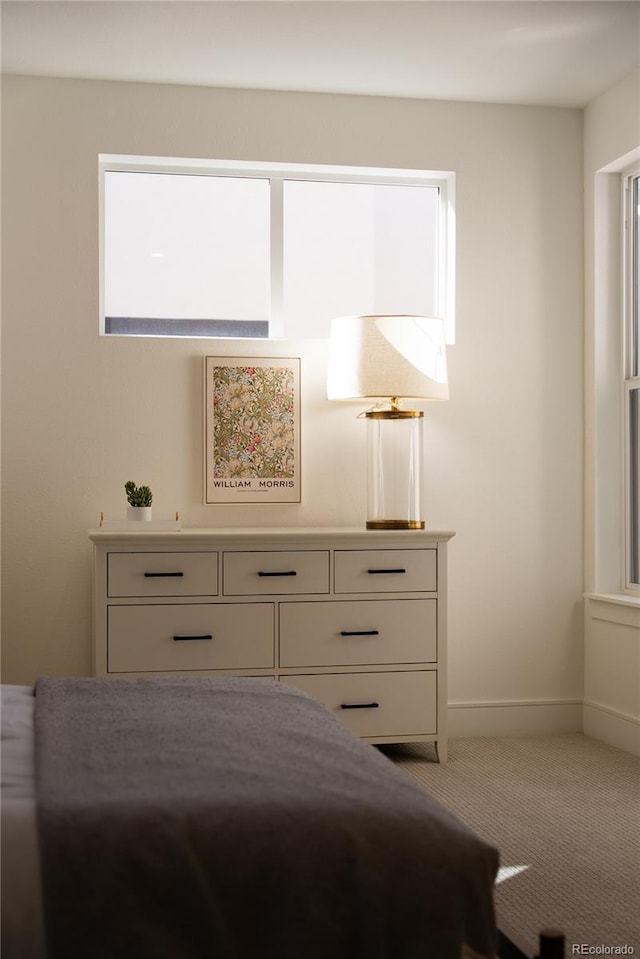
[(251, 537)]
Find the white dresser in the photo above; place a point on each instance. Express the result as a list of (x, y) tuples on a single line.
[(357, 618)]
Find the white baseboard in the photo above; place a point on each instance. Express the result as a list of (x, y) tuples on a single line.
[(514, 719), (544, 719), (612, 727)]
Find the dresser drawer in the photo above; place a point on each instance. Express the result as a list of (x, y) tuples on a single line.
[(378, 705), (275, 572), (162, 574), (385, 571), (194, 636), (358, 633)]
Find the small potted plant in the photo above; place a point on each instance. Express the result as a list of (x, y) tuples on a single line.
[(139, 499)]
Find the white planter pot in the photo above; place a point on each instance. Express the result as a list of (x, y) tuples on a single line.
[(139, 513)]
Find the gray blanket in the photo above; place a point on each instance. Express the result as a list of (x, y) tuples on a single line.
[(237, 819)]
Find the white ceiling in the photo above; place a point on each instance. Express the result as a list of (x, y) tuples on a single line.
[(547, 52)]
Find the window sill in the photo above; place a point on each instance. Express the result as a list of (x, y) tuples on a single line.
[(616, 599)]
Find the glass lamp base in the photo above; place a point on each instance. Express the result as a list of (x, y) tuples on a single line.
[(394, 469)]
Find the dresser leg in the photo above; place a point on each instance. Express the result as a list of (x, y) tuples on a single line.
[(441, 750)]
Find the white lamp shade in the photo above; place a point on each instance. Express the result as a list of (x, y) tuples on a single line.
[(379, 357)]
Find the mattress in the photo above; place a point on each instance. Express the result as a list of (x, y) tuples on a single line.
[(22, 921)]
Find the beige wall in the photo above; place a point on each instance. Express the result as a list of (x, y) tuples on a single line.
[(504, 457), (612, 673)]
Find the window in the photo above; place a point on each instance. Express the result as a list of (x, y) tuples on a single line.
[(203, 248), (632, 378)]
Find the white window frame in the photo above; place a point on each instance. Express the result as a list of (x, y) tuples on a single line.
[(631, 374), (277, 173)]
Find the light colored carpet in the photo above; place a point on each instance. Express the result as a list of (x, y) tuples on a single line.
[(564, 812)]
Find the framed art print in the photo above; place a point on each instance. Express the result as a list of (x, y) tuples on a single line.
[(252, 429)]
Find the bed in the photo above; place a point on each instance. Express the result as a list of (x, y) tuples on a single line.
[(222, 817)]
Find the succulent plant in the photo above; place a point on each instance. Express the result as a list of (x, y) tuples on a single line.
[(138, 495)]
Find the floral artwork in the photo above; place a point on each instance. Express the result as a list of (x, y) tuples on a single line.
[(252, 430)]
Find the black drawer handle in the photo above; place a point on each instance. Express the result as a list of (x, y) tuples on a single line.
[(360, 632), (373, 572), (286, 572), (156, 575), (359, 705), (183, 639)]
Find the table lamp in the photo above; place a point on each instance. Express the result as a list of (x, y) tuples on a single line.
[(388, 359)]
